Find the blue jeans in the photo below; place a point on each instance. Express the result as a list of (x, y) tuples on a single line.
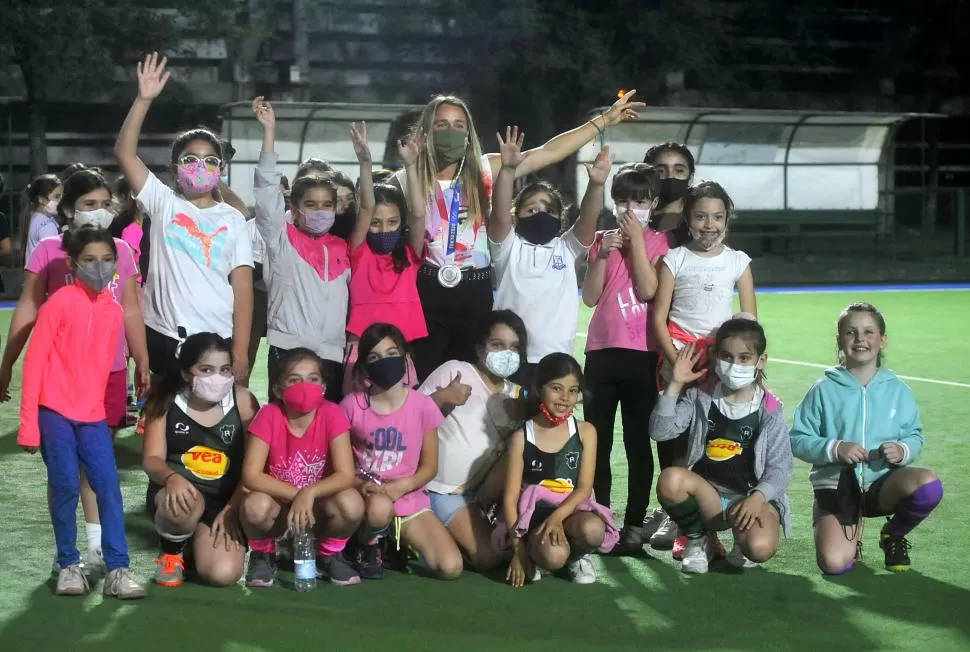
[(63, 444)]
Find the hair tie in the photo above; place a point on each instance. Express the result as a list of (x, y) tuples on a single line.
[(183, 335)]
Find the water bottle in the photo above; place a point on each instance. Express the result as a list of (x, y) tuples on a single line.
[(304, 561)]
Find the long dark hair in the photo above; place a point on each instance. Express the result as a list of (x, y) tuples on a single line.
[(161, 396), (127, 207), (551, 367), (385, 193), (42, 186)]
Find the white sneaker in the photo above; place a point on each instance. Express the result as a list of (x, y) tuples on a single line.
[(696, 556), (581, 571), (71, 581), (536, 575), (120, 584), (666, 534), (736, 558), (94, 563), (56, 569)]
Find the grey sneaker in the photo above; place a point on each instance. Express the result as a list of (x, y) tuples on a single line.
[(71, 581), (56, 569), (119, 583), (262, 569), (581, 571), (631, 542), (336, 570)]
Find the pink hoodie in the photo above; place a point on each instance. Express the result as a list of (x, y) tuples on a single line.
[(69, 358)]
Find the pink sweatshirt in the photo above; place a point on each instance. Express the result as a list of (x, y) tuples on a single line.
[(69, 358)]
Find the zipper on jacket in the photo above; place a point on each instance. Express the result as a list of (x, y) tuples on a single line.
[(865, 426)]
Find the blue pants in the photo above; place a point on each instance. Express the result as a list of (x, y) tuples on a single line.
[(64, 443)]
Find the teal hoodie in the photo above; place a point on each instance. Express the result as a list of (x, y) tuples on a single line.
[(839, 408)]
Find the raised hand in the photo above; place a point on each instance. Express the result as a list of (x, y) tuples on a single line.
[(510, 148), (358, 135), (152, 76), (265, 114), (409, 149), (458, 392), (630, 227), (623, 109), (599, 171), (611, 241), (687, 358)]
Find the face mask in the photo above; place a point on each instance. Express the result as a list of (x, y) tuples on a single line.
[(672, 189), (101, 218), (643, 216), (317, 222), (212, 388), (503, 363), (97, 274), (51, 208), (703, 242), (386, 372), (450, 146), (539, 228), (303, 397), (735, 376), (197, 177), (343, 224), (383, 243)]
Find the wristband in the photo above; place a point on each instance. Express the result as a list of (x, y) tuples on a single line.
[(168, 477)]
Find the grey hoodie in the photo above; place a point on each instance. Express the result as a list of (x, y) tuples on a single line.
[(772, 448)]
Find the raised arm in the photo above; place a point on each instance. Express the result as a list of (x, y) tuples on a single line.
[(365, 210), (410, 151), (152, 78), (592, 204), (568, 143), (267, 193), (511, 157)]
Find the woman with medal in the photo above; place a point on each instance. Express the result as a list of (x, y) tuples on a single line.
[(455, 281)]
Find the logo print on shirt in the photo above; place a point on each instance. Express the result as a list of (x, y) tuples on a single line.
[(300, 470), (572, 460), (227, 433), (181, 428), (384, 450), (746, 433), (557, 263), (188, 237)]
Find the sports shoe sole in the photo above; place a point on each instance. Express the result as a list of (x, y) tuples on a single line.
[(260, 584), (352, 581), (897, 569), (169, 583)]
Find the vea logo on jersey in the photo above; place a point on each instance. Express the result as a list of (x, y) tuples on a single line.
[(721, 449), (205, 463), (184, 234), (559, 486)]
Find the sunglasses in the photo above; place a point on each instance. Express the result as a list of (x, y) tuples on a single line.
[(209, 161)]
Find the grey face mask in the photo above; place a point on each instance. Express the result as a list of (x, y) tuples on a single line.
[(97, 274)]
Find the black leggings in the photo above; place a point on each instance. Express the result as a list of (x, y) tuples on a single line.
[(626, 378)]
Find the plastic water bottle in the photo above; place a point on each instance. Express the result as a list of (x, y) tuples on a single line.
[(304, 561)]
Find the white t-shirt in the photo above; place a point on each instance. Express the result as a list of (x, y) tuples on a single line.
[(704, 288), (193, 252), (259, 251), (473, 435), (538, 283)]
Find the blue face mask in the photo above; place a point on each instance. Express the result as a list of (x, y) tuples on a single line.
[(383, 243)]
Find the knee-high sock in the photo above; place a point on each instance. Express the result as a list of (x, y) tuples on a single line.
[(687, 516), (914, 508)]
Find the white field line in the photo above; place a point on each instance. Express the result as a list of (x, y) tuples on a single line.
[(815, 365)]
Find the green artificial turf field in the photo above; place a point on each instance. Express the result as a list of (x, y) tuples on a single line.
[(636, 603)]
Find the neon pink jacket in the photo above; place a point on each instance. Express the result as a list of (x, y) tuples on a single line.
[(69, 358)]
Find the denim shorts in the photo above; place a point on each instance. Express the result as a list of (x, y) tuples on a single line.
[(445, 506)]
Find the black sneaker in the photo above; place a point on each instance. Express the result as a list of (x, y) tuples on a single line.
[(262, 569), (336, 570), (369, 561), (394, 559), (896, 550)]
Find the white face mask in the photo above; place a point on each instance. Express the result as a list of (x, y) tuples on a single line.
[(503, 363), (735, 376), (101, 218), (212, 388), (643, 216), (51, 208), (705, 245)]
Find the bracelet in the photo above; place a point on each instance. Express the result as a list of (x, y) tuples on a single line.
[(593, 122), (167, 477)]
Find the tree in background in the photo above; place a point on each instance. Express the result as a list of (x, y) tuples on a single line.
[(74, 48)]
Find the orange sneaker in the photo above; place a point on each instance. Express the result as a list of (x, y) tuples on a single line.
[(169, 570)]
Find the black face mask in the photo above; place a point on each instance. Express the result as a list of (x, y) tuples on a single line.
[(386, 372), (343, 224), (671, 190), (539, 228)]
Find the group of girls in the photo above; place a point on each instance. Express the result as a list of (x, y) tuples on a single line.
[(405, 414)]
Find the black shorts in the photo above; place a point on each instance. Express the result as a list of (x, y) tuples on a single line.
[(826, 501), (213, 505)]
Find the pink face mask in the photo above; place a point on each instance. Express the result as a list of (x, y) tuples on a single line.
[(198, 177), (212, 388), (303, 397)]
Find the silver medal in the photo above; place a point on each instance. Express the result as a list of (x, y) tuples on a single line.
[(449, 276)]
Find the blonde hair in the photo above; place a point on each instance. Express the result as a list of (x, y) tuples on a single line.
[(470, 177)]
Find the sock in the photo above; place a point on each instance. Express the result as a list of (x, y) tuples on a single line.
[(687, 516), (170, 547), (93, 532), (914, 508), (841, 572), (330, 546), (263, 545)]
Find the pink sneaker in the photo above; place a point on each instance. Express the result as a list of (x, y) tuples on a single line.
[(680, 544)]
